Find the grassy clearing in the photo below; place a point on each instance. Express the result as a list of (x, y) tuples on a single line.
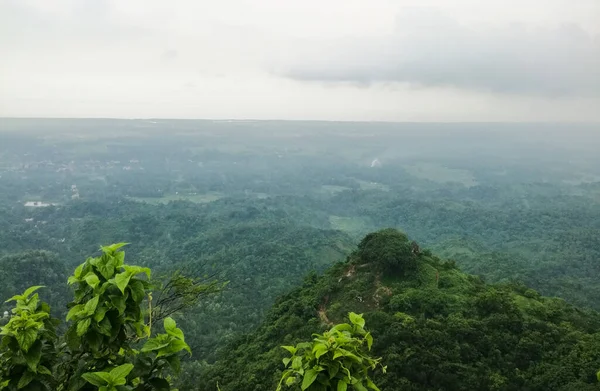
[(332, 189), (355, 226), (198, 198), (440, 174), (364, 185)]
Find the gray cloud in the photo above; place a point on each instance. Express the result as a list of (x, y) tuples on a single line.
[(431, 50), (225, 59)]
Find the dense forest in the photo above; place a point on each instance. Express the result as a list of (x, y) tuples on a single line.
[(434, 327), (247, 211)]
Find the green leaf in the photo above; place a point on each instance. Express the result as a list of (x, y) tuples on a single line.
[(175, 346), (92, 279), (309, 378), (356, 319), (352, 356), (78, 270), (97, 378), (106, 265), (369, 339), (26, 338), (169, 324), (171, 329), (4, 384), (372, 385), (133, 270), (154, 344), (32, 289), (15, 298), (43, 370), (320, 349), (113, 247), (119, 382), (83, 326), (137, 290), (119, 258), (100, 313), (107, 271), (90, 306), (359, 387), (342, 327), (290, 349), (342, 386), (334, 368), (33, 355), (304, 345), (119, 303), (297, 363), (25, 379), (286, 361), (75, 311), (33, 303), (105, 327), (121, 371), (122, 280)]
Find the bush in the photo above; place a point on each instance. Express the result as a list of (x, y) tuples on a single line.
[(335, 360), (389, 250), (99, 350)]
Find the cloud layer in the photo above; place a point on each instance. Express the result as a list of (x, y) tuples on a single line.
[(385, 60), (431, 50)]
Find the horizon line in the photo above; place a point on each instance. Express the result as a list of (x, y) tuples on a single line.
[(300, 120)]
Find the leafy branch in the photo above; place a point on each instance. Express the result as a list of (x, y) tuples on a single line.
[(334, 360)]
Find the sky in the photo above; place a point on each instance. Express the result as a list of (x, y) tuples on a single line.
[(351, 60)]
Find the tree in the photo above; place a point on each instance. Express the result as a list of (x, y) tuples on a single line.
[(335, 360), (28, 345), (101, 347), (388, 249), (22, 270)]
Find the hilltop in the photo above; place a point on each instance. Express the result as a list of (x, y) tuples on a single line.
[(435, 327)]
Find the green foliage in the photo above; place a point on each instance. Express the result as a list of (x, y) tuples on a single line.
[(388, 249), (110, 379), (334, 360), (99, 348), (167, 344), (106, 314), (521, 214), (458, 334), (28, 345)]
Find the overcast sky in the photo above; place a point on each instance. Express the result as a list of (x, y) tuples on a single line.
[(387, 60)]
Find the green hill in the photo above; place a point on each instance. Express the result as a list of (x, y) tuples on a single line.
[(435, 327)]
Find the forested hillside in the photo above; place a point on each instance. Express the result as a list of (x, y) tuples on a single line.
[(434, 327), (250, 208), (261, 253)]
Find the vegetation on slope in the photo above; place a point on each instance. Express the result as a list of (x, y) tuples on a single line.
[(338, 359), (262, 252), (434, 327)]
